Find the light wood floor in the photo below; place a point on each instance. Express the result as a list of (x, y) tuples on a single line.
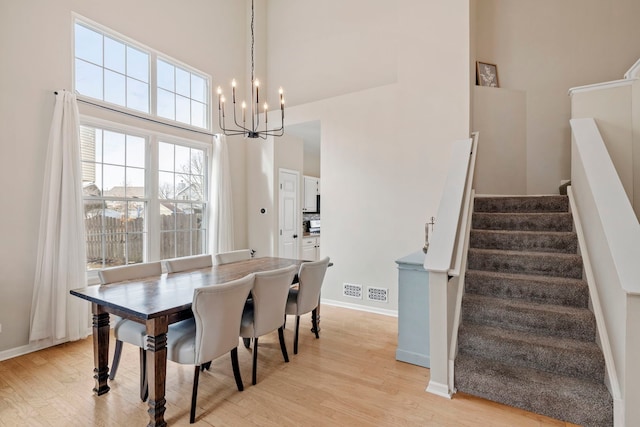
[(349, 377)]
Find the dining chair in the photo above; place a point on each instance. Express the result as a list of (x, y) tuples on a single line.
[(188, 263), (232, 256), (264, 312), (213, 330), (307, 295), (128, 330)]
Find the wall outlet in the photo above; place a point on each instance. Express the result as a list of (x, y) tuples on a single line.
[(351, 290), (378, 294)]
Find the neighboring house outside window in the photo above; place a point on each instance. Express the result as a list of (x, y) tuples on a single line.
[(145, 194)]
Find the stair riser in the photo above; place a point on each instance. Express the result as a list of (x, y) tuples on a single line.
[(565, 361), (517, 241), (521, 204), (522, 222), (583, 407), (526, 263), (530, 320), (574, 295)]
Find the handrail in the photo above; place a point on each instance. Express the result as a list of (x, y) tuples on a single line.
[(466, 209), (439, 258), (619, 222)]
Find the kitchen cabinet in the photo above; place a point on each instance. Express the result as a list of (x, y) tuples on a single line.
[(413, 310), (311, 190), (311, 248)]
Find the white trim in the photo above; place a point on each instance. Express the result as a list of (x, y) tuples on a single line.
[(604, 85), (634, 71), (439, 389), (35, 346), (614, 385), (360, 307)]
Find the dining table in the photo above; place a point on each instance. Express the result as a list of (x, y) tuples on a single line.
[(157, 302)]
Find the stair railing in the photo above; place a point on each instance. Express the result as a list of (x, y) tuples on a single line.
[(609, 238), (446, 263)]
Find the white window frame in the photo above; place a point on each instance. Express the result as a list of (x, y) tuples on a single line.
[(152, 218), (154, 56)]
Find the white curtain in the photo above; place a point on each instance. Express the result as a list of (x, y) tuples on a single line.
[(61, 257), (220, 200)]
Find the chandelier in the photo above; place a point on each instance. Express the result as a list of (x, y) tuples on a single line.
[(240, 126)]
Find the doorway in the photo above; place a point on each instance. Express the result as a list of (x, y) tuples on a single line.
[(288, 219)]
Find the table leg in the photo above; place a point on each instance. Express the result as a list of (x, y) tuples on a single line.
[(157, 369), (100, 348)]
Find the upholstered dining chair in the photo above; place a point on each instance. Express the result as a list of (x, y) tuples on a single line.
[(307, 295), (264, 312), (188, 263), (232, 256), (128, 330), (213, 330)]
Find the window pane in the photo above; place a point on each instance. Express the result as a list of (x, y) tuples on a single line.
[(166, 157), (88, 44), (197, 114), (198, 88), (113, 181), (183, 159), (165, 185), (167, 216), (183, 107), (183, 243), (183, 82), (114, 148), (166, 78), (88, 79), (197, 242), (167, 245), (114, 87), (166, 104), (135, 248), (137, 64), (135, 183), (197, 187), (114, 55), (135, 151), (137, 95)]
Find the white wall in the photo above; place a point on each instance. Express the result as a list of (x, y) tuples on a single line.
[(36, 40), (395, 81), (546, 47)]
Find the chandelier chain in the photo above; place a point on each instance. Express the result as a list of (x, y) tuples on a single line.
[(252, 42)]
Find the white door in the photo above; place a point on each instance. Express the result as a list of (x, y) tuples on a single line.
[(288, 217)]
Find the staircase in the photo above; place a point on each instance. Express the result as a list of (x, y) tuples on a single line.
[(527, 337)]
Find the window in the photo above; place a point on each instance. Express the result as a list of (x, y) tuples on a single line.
[(117, 71), (140, 189)]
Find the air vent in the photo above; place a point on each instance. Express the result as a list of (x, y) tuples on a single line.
[(351, 290), (378, 294)]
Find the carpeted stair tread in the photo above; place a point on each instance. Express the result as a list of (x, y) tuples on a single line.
[(565, 398), (575, 358), (540, 241), (541, 319), (553, 203), (554, 221), (519, 262), (539, 289)]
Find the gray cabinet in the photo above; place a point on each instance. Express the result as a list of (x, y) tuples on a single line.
[(413, 310)]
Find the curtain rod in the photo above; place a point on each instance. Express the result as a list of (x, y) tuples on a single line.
[(140, 117)]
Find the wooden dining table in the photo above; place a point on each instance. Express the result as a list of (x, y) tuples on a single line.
[(157, 302)]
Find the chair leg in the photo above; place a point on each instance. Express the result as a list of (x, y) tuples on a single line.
[(314, 321), (144, 385), (283, 346), (116, 359), (205, 366), (255, 361), (295, 336), (236, 369), (194, 394), (247, 342)]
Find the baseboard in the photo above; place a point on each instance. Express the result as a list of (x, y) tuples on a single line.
[(413, 358), (34, 346), (359, 307), (439, 389)]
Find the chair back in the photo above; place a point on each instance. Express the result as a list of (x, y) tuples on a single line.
[(217, 310), (233, 256), (188, 263), (130, 272), (310, 278), (269, 294)]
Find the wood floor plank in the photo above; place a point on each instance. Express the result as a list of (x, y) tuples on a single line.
[(348, 377)]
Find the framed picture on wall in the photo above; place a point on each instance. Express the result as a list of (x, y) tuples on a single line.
[(486, 74)]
